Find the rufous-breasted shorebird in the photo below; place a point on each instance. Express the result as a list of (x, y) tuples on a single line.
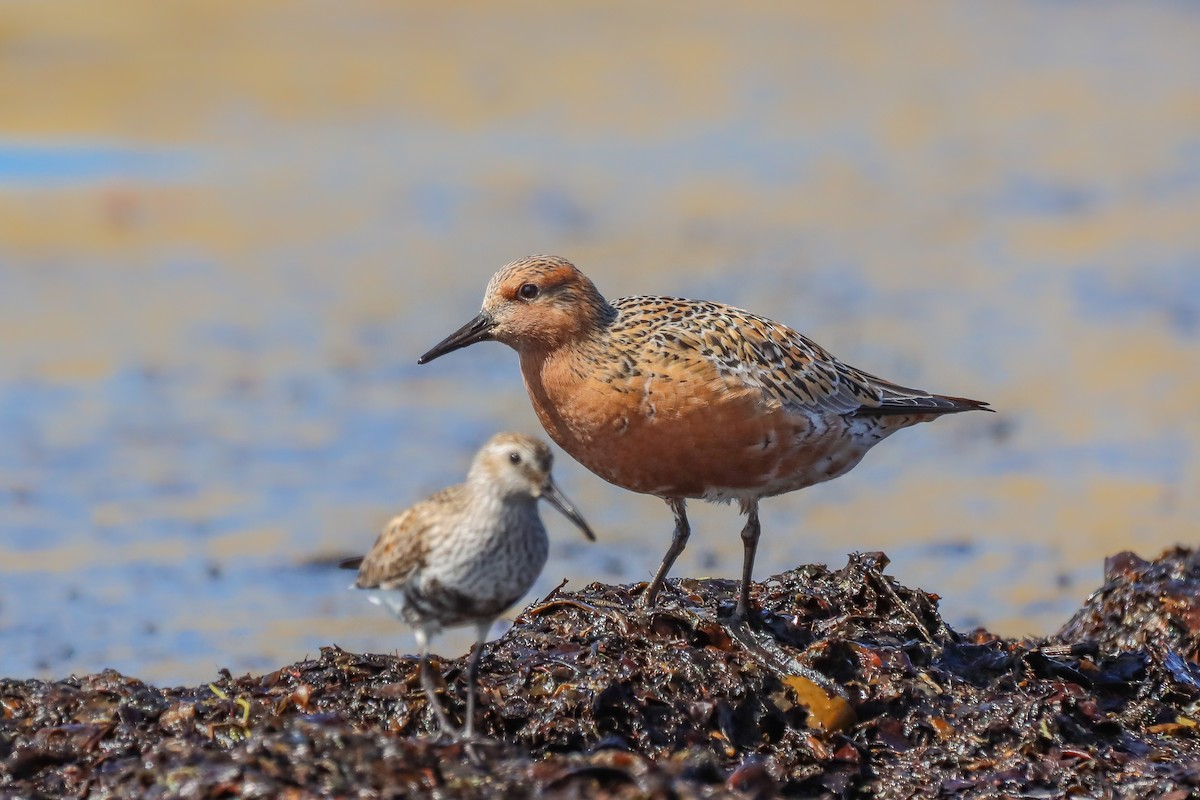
[(465, 554), (685, 398)]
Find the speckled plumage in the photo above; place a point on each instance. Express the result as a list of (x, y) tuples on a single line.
[(468, 552), (684, 398)]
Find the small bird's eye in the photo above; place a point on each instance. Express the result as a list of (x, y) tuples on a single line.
[(529, 291), (514, 458)]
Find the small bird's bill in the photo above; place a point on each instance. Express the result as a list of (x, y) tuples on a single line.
[(554, 496), (477, 330)]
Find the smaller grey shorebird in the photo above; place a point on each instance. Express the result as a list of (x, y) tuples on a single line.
[(466, 553), (687, 399)]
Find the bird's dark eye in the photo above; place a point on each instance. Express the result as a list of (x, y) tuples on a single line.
[(514, 458), (529, 291)]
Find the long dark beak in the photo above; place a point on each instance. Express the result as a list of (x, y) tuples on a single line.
[(477, 330), (554, 496)]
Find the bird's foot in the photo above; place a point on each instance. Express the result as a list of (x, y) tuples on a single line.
[(646, 600), (476, 747), (736, 613), (467, 735), (649, 601)]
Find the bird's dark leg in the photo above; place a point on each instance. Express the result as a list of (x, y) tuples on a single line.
[(444, 726), (473, 678), (750, 534), (678, 542)]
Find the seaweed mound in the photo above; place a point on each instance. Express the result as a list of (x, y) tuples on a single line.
[(844, 683)]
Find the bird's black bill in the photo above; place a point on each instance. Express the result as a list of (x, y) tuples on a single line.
[(350, 563), (477, 330), (554, 496)]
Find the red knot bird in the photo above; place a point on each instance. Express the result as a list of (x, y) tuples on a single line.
[(466, 553), (687, 399)]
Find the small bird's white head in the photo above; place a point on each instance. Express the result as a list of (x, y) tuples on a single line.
[(515, 467)]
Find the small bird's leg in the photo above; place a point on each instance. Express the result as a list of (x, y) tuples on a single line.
[(444, 725), (678, 542), (750, 535), (473, 678)]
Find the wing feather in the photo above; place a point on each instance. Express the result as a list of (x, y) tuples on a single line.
[(744, 349), (403, 546)]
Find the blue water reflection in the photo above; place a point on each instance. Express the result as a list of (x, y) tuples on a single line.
[(29, 163)]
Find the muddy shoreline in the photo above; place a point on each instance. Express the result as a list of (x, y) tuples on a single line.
[(844, 684)]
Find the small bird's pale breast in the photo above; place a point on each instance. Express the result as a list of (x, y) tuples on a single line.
[(484, 565)]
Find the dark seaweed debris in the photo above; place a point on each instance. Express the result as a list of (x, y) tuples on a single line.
[(845, 684)]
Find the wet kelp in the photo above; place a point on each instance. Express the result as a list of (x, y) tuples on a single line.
[(845, 684)]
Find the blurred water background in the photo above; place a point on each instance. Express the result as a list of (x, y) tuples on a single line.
[(227, 230)]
